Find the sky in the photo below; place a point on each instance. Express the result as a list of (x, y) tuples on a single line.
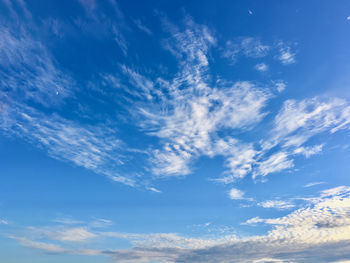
[(174, 131)]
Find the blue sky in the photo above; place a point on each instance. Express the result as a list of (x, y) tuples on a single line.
[(174, 131)]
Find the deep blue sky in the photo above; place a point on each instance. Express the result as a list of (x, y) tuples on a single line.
[(174, 131)]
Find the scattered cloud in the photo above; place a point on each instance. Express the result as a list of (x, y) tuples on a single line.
[(286, 54), (192, 113), (262, 67), (246, 46), (307, 234), (235, 194), (277, 204), (309, 151)]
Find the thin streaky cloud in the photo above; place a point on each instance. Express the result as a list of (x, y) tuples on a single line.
[(313, 184)]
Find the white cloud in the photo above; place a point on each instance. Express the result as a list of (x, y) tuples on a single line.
[(294, 125), (277, 204), (192, 112), (95, 148), (68, 221), (313, 184), (236, 194), (3, 222), (31, 72), (142, 27), (262, 67), (38, 245), (64, 234), (314, 233), (246, 46), (280, 85), (309, 151), (298, 121), (286, 54), (275, 163)]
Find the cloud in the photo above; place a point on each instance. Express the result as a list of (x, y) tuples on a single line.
[(38, 245), (74, 234), (277, 204), (28, 72), (97, 23), (298, 121), (96, 148), (246, 46), (262, 67), (313, 184), (309, 151), (142, 27), (3, 222), (235, 194), (192, 112), (280, 85), (317, 232), (275, 163), (286, 54), (295, 124)]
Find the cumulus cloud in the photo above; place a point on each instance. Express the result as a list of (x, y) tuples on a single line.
[(236, 194)]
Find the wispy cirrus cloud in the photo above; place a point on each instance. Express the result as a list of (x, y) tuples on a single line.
[(28, 71), (313, 184), (192, 113), (3, 222), (286, 54), (246, 46), (30, 76), (96, 148), (142, 27)]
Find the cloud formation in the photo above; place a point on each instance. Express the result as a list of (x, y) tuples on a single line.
[(317, 232)]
